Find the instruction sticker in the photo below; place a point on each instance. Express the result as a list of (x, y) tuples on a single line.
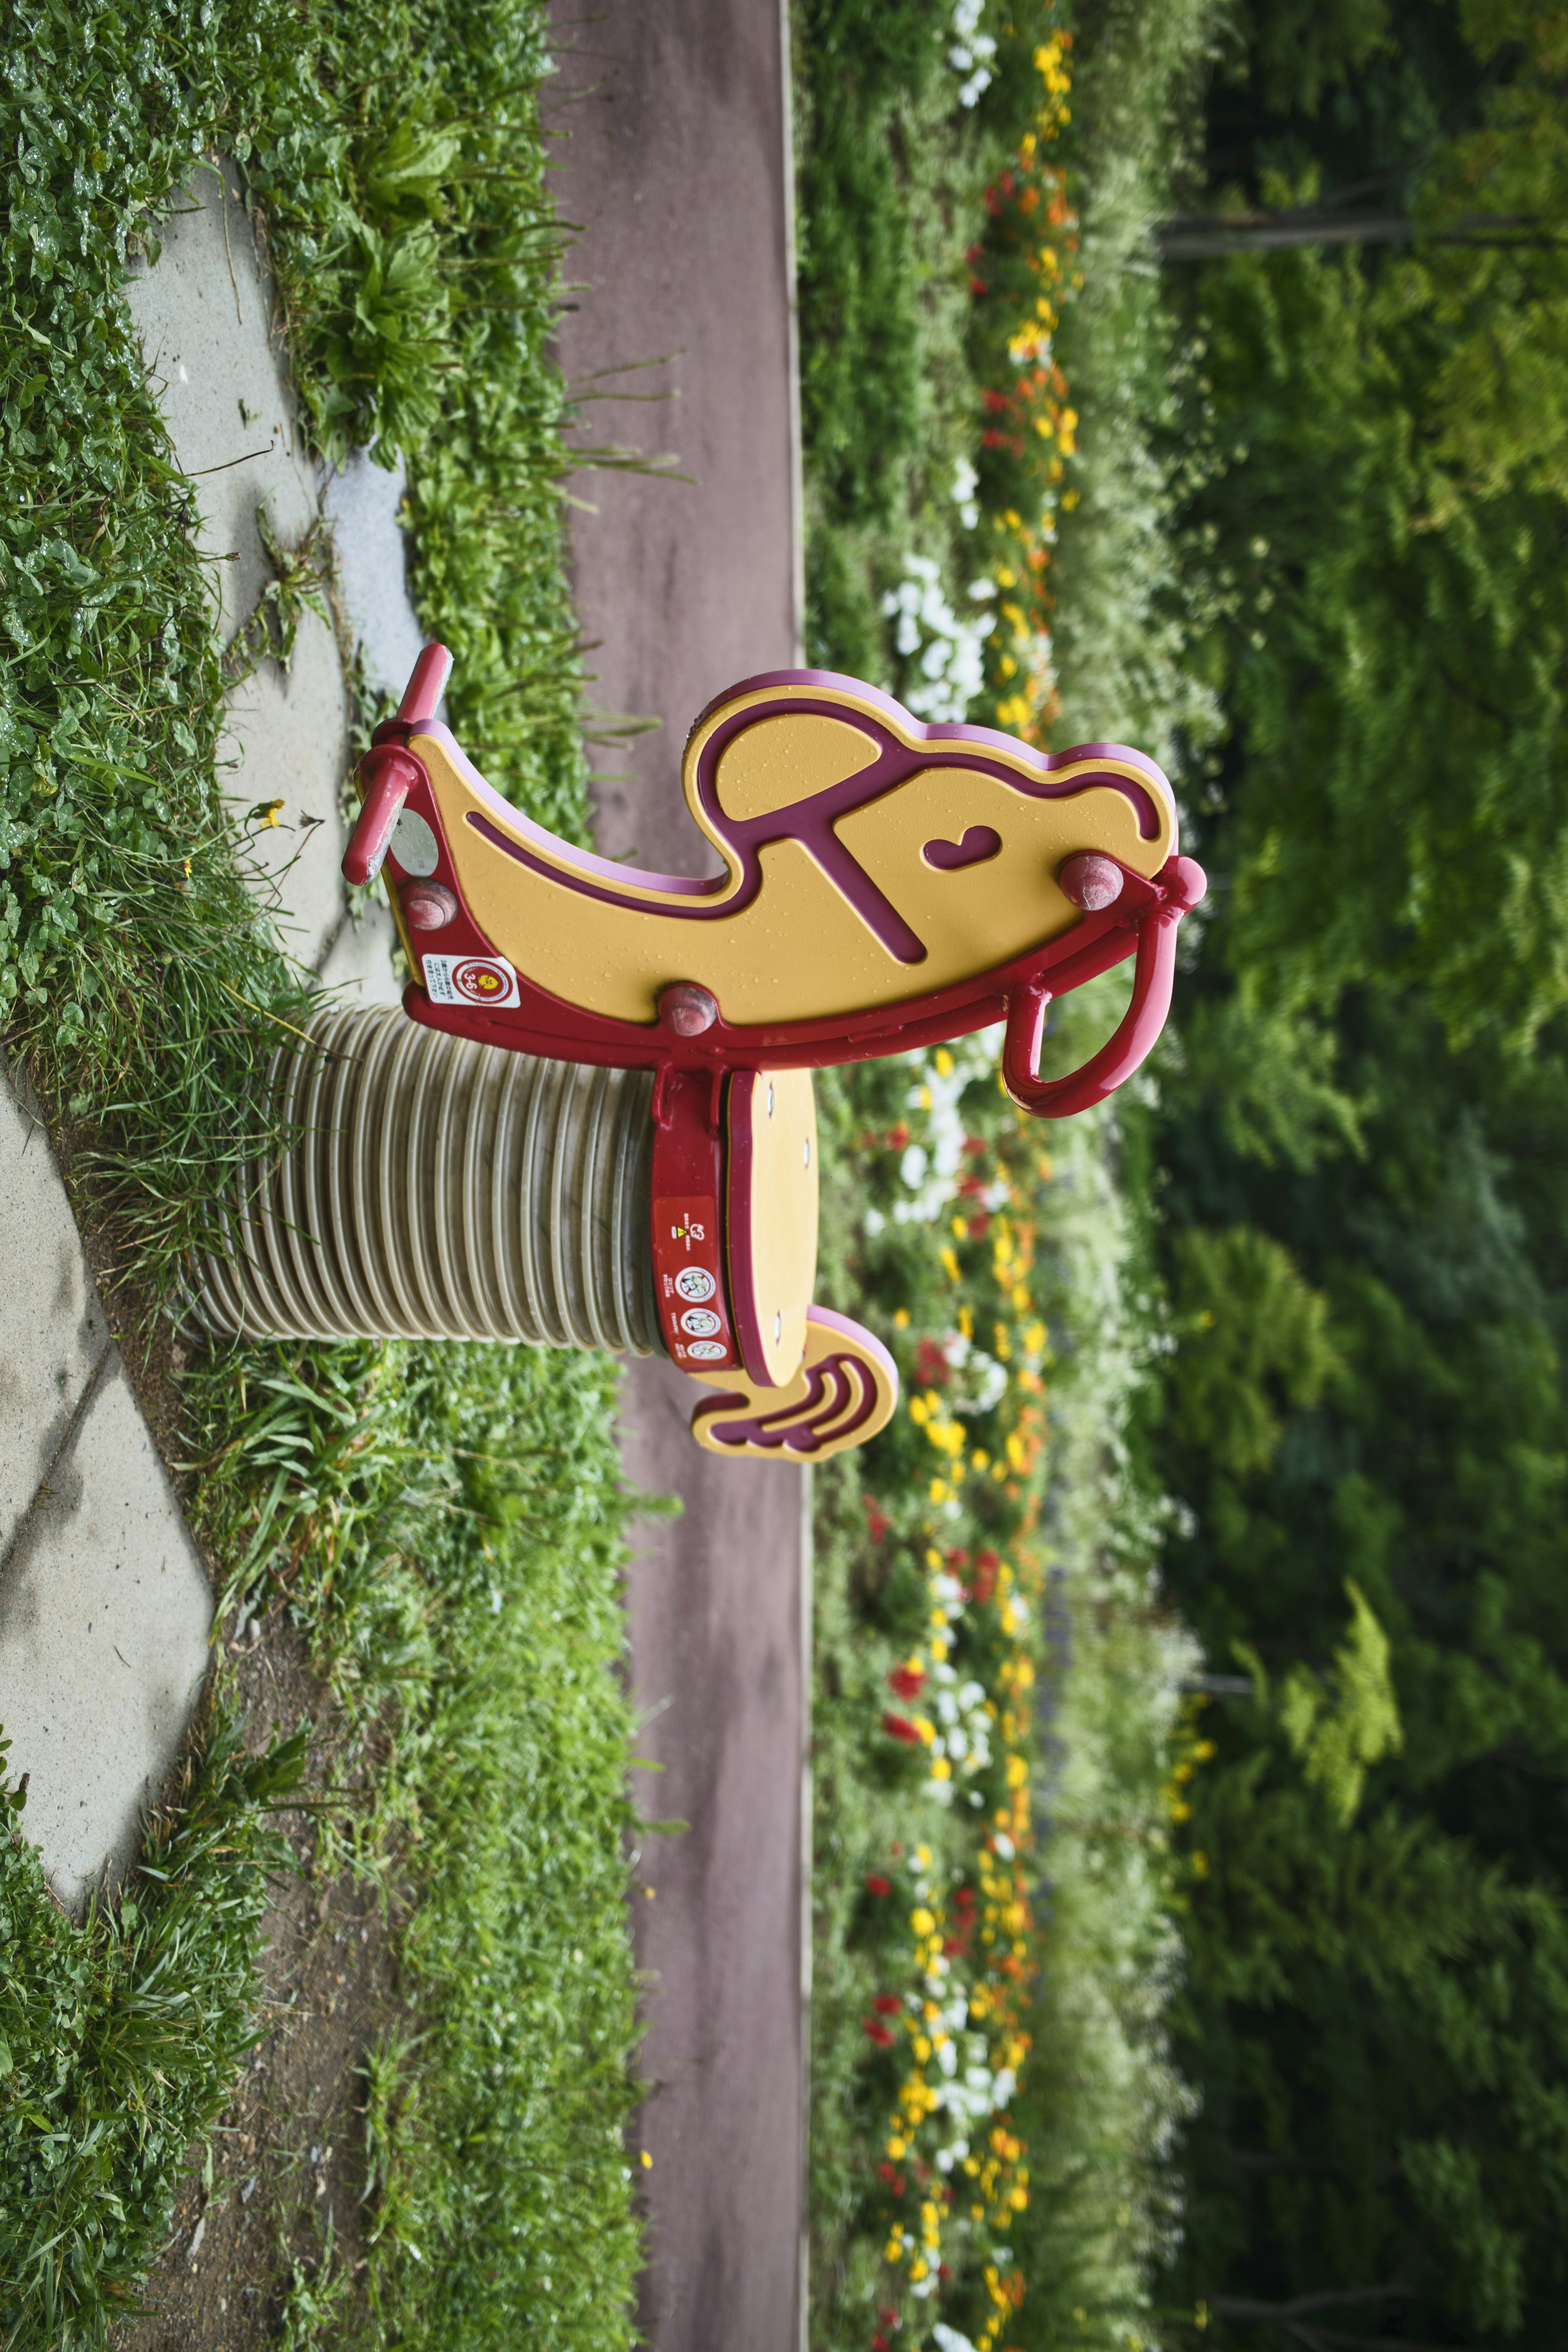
[(488, 981), (687, 1282)]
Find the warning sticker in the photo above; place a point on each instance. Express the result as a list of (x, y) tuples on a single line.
[(687, 1284), (488, 981)]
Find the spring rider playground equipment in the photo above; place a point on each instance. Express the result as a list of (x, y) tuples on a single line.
[(594, 1127)]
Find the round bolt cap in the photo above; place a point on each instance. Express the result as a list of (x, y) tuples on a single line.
[(687, 1009), (1090, 881), (427, 905)]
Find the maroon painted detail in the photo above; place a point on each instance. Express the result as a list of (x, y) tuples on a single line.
[(1090, 881), (802, 1427), (427, 905), (979, 843)]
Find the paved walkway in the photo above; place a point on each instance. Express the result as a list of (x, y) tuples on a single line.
[(105, 1607), (677, 164)]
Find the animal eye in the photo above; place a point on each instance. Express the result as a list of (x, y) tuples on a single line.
[(981, 842)]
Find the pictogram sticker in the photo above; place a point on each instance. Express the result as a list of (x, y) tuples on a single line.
[(685, 1273), (488, 981)]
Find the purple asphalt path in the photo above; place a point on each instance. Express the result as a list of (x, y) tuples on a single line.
[(672, 153)]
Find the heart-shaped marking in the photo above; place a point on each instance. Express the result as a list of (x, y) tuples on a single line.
[(981, 842)]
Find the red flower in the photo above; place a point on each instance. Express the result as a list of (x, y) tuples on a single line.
[(877, 1520), (886, 2004), (980, 1226), (908, 1680), (879, 2344), (877, 1885), (986, 1564), (878, 2032), (932, 1369), (899, 1726)]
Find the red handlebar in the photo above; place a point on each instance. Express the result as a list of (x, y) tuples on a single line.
[(1178, 887), (388, 775)]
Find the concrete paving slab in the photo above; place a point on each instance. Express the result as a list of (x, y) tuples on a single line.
[(216, 362), (358, 961), (205, 314), (362, 501), (286, 739), (53, 1329), (105, 1609)]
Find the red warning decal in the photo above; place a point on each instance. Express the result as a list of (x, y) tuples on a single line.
[(689, 1285)]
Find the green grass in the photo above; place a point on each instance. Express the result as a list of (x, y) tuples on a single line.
[(450, 1520), (449, 1536), (119, 2038)]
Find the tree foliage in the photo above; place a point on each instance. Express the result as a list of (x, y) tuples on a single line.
[(1362, 1229)]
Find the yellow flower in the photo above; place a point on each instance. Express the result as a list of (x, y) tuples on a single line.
[(919, 1412), (922, 2048), (900, 1318), (1018, 1771), (960, 1228), (941, 1058), (949, 1262), (922, 1921), (941, 1769), (648, 2159), (939, 1490), (896, 2147), (980, 1459)]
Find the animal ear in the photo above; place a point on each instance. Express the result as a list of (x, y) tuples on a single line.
[(784, 756), (843, 1393)]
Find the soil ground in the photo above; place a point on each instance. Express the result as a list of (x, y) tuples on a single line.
[(288, 2155)]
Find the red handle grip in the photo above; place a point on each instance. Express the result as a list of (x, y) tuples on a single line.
[(1180, 884), (387, 775)]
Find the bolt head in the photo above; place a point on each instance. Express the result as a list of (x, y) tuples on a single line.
[(1090, 881), (427, 905), (687, 1009)]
